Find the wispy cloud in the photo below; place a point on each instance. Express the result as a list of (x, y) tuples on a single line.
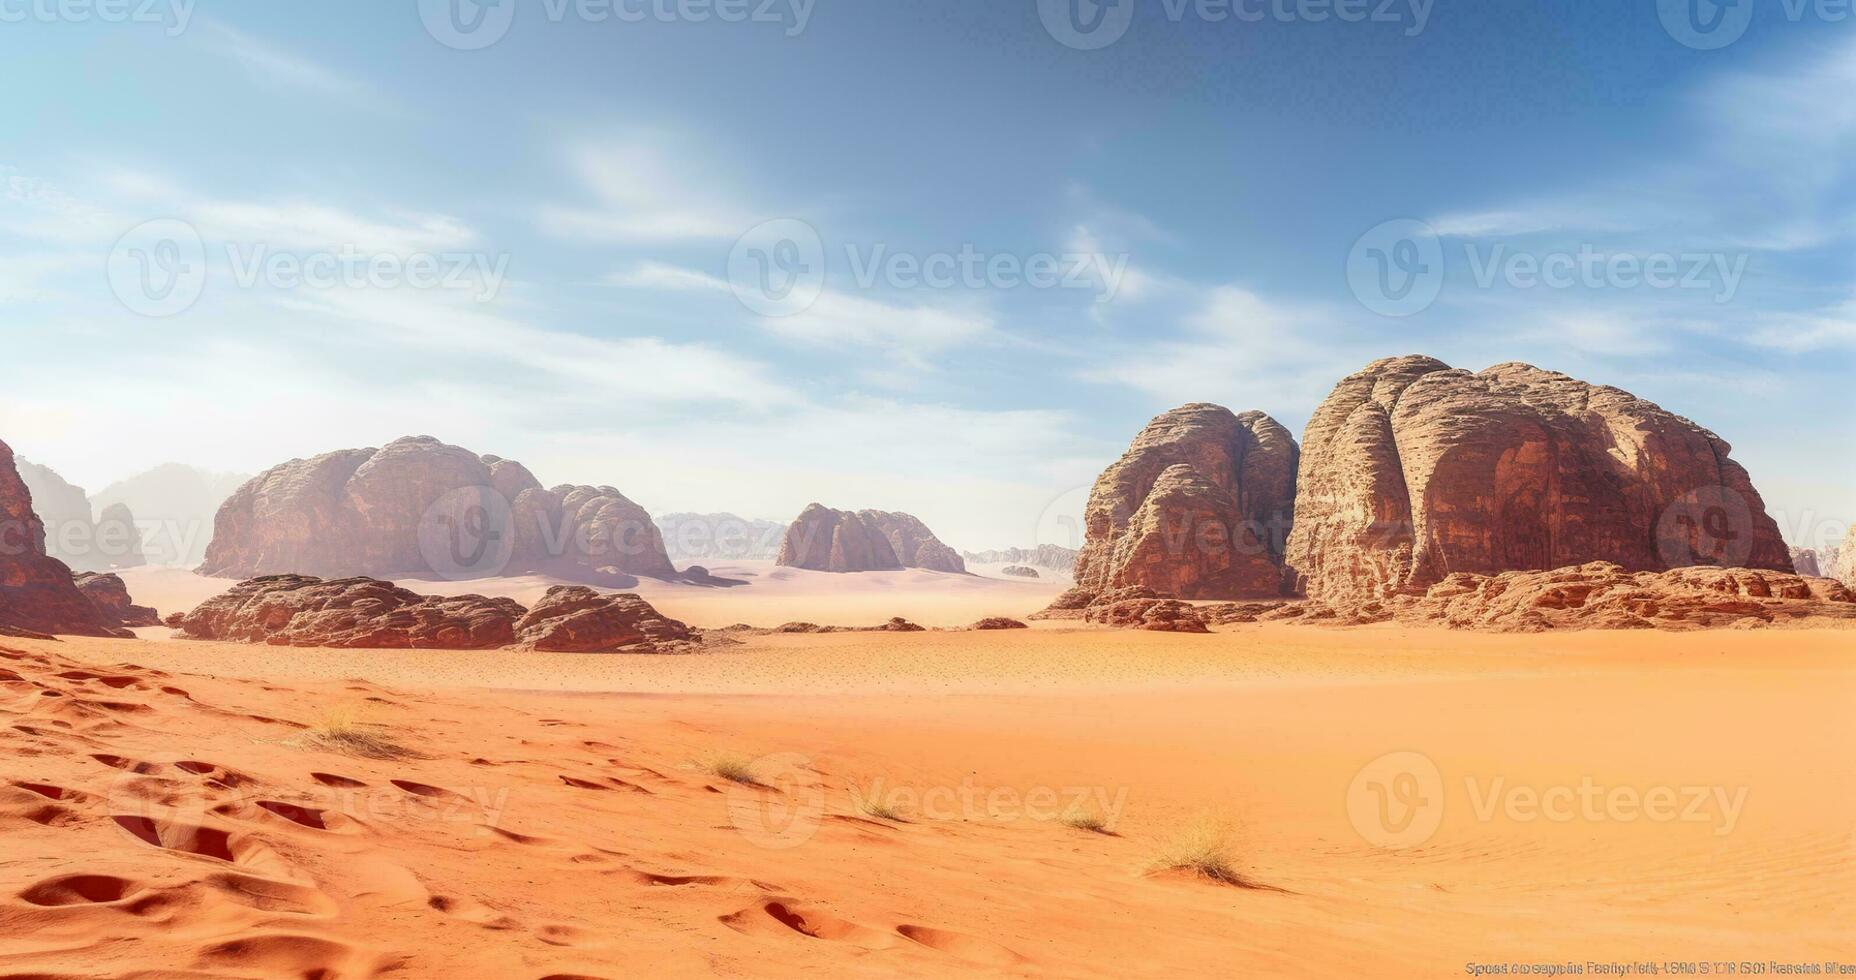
[(646, 186), (269, 63)]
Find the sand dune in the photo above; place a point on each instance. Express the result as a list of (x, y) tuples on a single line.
[(167, 809)]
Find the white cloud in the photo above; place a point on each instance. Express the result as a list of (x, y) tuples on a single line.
[(648, 187), (267, 62)]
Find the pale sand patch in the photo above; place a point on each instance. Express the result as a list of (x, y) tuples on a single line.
[(613, 854)]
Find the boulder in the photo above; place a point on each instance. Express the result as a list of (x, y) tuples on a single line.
[(576, 619), (420, 508), (1019, 571), (37, 594), (1412, 470), (1605, 595), (998, 623), (1198, 508), (107, 592)]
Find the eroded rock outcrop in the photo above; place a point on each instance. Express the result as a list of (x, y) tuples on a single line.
[(1840, 562), (305, 611), (37, 594), (1197, 508), (1045, 557), (110, 595), (1804, 562), (576, 619), (420, 508), (1603, 595), (1019, 571), (827, 540), (1412, 470)]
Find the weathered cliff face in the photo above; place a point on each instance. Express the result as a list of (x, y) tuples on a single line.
[(914, 545), (1805, 562), (1048, 557), (72, 534), (37, 593), (827, 540), (421, 508), (1197, 508), (1842, 560), (1412, 470)]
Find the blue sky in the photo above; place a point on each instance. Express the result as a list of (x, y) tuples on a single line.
[(584, 181)]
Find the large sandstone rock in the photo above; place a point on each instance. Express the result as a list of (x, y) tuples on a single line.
[(1197, 508), (1412, 470), (421, 508), (588, 533), (110, 595), (914, 545), (118, 538), (37, 593), (304, 611), (1841, 560), (1603, 595), (576, 619), (827, 540)]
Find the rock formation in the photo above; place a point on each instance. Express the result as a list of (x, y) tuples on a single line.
[(304, 611), (590, 533), (719, 537), (175, 504), (1197, 508), (1019, 571), (37, 594), (914, 545), (1044, 557), (1804, 562), (1412, 470), (998, 623), (576, 619), (72, 534), (420, 508), (118, 538), (1603, 595), (1842, 560), (107, 592), (827, 540)]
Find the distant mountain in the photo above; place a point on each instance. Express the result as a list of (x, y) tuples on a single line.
[(174, 505), (719, 537), (1049, 557), (73, 533)]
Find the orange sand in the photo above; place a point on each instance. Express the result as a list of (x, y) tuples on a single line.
[(163, 810)]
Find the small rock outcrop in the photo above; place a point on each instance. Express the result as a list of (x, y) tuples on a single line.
[(37, 594), (1019, 571), (304, 611), (1804, 562), (576, 619), (999, 623), (1412, 470), (420, 508), (110, 595), (1045, 557), (1604, 595), (1197, 508)]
